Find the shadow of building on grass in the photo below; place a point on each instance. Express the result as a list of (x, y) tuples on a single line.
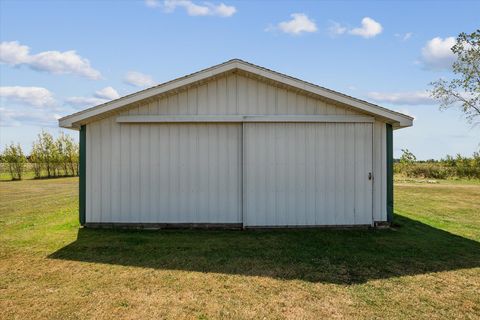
[(316, 255)]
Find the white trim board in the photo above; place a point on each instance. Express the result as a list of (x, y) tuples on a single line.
[(243, 118)]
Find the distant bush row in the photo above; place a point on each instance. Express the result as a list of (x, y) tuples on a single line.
[(449, 167), (49, 157)]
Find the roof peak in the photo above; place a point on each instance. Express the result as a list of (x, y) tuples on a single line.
[(396, 118)]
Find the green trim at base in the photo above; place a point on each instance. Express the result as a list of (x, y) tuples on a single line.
[(389, 173), (82, 174)]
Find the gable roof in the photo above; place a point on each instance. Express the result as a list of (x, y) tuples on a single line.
[(75, 120)]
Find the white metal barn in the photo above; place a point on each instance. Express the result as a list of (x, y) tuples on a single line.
[(236, 145)]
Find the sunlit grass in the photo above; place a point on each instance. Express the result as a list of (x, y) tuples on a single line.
[(427, 266)]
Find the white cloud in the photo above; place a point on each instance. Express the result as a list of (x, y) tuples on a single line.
[(369, 29), (84, 102), (34, 96), (404, 36), (300, 23), (107, 93), (336, 29), (138, 79), (13, 53), (437, 53), (68, 62), (152, 3), (17, 117), (99, 97), (402, 98), (193, 9)]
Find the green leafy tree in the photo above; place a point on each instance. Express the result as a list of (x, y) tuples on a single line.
[(68, 154), (16, 160), (407, 157), (47, 153), (36, 160), (463, 90)]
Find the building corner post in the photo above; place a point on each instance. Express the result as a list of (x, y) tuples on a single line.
[(82, 174), (389, 173)]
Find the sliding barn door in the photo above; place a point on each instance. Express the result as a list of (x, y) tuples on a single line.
[(307, 174), (165, 173)]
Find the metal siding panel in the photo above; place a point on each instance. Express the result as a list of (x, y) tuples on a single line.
[(320, 174), (330, 174), (261, 98), (340, 196), (242, 95), (172, 104), (153, 172), (88, 170), (212, 97), (271, 107), (349, 177), (192, 101), (282, 104), (314, 174), (124, 173), (202, 99), (105, 154), (236, 94), (163, 174), (231, 94), (252, 94), (163, 106), (115, 170), (310, 107), (95, 172), (222, 107), (359, 183), (301, 104), (145, 173), (310, 174)]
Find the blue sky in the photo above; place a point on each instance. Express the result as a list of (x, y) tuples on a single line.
[(60, 57)]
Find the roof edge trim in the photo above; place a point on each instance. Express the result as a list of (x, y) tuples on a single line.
[(73, 121)]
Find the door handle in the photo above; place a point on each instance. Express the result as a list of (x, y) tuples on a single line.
[(369, 176)]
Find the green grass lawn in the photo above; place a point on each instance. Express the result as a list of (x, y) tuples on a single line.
[(427, 266)]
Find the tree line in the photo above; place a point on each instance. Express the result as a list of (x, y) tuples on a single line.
[(49, 157), (446, 168)]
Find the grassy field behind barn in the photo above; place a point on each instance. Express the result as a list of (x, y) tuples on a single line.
[(427, 266)]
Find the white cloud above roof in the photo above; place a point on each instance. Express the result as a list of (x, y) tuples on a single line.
[(402, 98), (437, 53), (194, 9), (68, 62), (83, 102), (13, 117), (99, 97), (138, 79), (33, 96), (369, 28), (298, 24), (108, 93)]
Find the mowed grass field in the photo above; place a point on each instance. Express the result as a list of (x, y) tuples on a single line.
[(426, 267)]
